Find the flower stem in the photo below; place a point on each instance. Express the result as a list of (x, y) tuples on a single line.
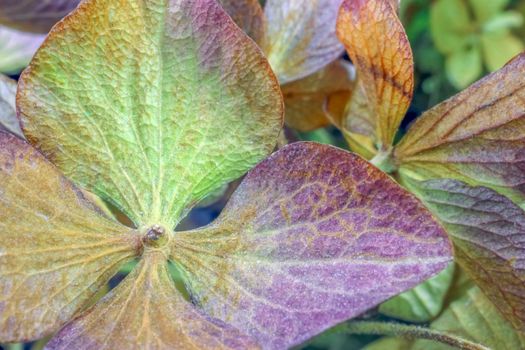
[(410, 332)]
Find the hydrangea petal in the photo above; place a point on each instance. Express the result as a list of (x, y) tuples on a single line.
[(152, 104), (248, 14), (8, 119), (356, 119), (36, 16), (300, 36), (145, 311), (17, 48), (475, 318), (488, 231), (422, 303), (384, 62), (305, 99), (475, 136), (56, 251), (304, 241)]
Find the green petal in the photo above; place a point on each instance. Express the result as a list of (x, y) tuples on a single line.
[(484, 10), (502, 21), (422, 303), (499, 48), (474, 318), (463, 67), (151, 104), (450, 24)]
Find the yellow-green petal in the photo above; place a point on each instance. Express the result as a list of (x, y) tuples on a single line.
[(151, 104)]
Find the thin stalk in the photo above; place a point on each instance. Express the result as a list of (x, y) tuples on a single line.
[(410, 332)]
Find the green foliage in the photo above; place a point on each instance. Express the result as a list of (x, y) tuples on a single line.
[(474, 35)]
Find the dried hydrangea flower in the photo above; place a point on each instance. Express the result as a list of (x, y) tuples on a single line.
[(464, 157), (152, 105)]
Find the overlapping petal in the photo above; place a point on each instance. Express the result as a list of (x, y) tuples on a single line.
[(300, 36), (17, 48), (305, 99), (36, 16), (249, 16), (56, 250), (151, 104), (422, 303), (378, 46), (476, 136), (313, 236), (146, 311), (488, 231), (473, 317), (8, 119)]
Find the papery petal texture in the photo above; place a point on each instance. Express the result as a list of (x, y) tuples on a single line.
[(8, 119), (249, 16), (313, 236), (56, 250), (16, 49), (305, 99), (488, 231), (36, 16), (476, 136), (152, 104), (300, 36), (146, 311), (379, 48)]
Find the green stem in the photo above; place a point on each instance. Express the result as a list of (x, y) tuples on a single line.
[(410, 332)]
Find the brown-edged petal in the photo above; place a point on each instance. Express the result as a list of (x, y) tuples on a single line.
[(248, 14), (477, 136), (56, 250), (378, 46), (151, 104)]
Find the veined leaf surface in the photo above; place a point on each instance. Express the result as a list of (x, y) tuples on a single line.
[(56, 250), (377, 43), (476, 136), (152, 104), (146, 311), (303, 243), (488, 231)]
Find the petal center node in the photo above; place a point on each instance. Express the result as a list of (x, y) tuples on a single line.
[(155, 236)]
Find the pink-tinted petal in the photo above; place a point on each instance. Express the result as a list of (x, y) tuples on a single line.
[(313, 236)]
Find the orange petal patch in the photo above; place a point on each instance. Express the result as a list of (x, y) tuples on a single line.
[(379, 48), (305, 98)]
